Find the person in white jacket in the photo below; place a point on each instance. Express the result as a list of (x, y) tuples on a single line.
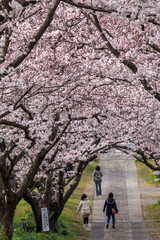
[(85, 208)]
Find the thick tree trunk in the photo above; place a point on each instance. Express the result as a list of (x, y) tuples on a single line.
[(36, 208), (2, 211), (53, 215), (55, 208), (7, 210), (37, 215), (2, 204), (8, 220), (54, 212), (6, 217)]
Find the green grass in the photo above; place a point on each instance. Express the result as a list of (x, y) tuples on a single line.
[(2, 233), (146, 174), (23, 210), (70, 224), (151, 212)]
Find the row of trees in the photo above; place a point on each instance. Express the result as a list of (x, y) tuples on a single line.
[(77, 79)]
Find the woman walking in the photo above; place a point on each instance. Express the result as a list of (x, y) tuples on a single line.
[(111, 209), (98, 179), (85, 207)]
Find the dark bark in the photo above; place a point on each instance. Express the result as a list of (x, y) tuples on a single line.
[(142, 157), (8, 219), (53, 212), (32, 200), (2, 205), (7, 211)]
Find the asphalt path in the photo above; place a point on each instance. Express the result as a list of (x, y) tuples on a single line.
[(119, 177)]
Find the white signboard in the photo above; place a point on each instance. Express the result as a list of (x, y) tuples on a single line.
[(45, 222)]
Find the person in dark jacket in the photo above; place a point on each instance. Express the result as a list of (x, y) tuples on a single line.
[(98, 179), (111, 208)]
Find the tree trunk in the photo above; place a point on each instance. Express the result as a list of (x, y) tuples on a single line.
[(37, 215), (54, 211), (35, 204), (52, 216), (8, 224), (7, 211), (2, 211), (6, 218), (2, 199)]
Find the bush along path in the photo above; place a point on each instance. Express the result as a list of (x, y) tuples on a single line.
[(119, 177)]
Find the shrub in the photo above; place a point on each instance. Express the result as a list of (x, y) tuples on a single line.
[(2, 233), (31, 224)]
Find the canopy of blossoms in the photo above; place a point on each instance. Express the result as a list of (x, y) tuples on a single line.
[(77, 77)]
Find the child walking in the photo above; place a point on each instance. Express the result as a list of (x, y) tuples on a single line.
[(85, 208), (111, 209)]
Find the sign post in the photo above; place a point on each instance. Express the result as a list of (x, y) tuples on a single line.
[(45, 222)]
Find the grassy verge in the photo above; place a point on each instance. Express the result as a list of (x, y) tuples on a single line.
[(151, 212), (70, 224), (152, 218), (145, 174)]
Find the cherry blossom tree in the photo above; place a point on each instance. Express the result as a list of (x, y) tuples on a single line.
[(77, 79)]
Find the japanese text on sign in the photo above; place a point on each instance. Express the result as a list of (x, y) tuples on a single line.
[(45, 222)]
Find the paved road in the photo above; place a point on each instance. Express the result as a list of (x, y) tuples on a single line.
[(119, 177)]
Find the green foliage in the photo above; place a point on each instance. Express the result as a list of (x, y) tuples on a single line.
[(21, 235), (2, 233), (31, 224), (64, 232)]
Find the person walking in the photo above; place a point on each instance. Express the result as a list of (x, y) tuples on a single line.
[(98, 179), (85, 208), (111, 209)]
